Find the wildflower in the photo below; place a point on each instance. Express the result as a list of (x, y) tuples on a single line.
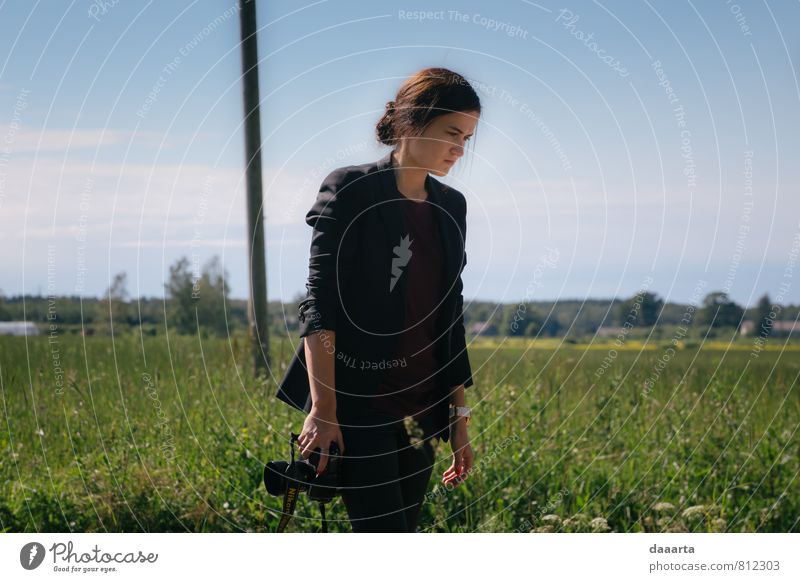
[(663, 506), (415, 432), (40, 432), (677, 527), (599, 524), (225, 505), (551, 518), (581, 518), (664, 522), (719, 525), (694, 511)]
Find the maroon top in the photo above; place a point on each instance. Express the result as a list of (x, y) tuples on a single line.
[(408, 388)]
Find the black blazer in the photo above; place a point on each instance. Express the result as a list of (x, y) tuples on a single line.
[(357, 229)]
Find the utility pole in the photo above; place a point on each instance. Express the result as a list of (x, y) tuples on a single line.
[(257, 301)]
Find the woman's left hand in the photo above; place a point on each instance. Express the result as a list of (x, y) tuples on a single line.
[(463, 456)]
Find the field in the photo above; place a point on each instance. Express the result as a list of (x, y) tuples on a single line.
[(162, 435)]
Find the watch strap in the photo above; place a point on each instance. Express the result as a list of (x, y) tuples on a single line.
[(462, 411)]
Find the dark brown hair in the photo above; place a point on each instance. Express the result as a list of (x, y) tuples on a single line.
[(421, 98)]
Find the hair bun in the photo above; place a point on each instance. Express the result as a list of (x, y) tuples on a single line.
[(422, 97)]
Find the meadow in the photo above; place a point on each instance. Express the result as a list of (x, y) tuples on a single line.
[(170, 434)]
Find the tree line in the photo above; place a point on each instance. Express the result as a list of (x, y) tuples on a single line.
[(716, 316), (198, 302)]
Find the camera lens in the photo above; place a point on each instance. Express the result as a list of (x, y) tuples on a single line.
[(275, 477)]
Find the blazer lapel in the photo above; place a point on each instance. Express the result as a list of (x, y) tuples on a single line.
[(452, 237)]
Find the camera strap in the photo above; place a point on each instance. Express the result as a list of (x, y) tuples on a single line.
[(289, 503), (290, 498)]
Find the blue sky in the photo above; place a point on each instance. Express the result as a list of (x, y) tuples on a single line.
[(121, 147)]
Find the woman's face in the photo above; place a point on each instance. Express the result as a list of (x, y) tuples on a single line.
[(442, 142)]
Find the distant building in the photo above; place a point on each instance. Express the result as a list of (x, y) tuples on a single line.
[(778, 327), (788, 327), (18, 328), (482, 328), (608, 331)]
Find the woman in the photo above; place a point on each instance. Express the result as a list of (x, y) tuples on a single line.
[(384, 352)]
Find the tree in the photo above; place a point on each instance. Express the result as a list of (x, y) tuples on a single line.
[(640, 310), (113, 308), (212, 291), (180, 301), (719, 311), (763, 318), (4, 313), (551, 327), (520, 320), (192, 299)]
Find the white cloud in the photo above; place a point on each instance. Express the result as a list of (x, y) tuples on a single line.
[(51, 140)]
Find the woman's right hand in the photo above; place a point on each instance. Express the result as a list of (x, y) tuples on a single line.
[(320, 428)]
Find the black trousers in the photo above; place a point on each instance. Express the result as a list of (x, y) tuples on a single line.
[(385, 473)]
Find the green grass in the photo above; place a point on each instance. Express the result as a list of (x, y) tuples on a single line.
[(712, 447)]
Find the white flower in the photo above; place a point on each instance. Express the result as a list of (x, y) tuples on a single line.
[(694, 511), (551, 518), (40, 432), (719, 524), (581, 518)]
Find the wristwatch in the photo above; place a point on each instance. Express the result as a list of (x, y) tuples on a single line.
[(464, 411)]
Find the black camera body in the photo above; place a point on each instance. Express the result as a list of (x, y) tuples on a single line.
[(283, 478)]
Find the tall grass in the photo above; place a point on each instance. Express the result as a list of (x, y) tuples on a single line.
[(172, 435)]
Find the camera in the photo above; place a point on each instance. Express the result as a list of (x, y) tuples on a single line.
[(288, 479)]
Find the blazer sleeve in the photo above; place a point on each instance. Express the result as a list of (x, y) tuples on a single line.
[(330, 215), (460, 369)]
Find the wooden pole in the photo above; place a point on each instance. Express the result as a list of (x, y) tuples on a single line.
[(257, 302)]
